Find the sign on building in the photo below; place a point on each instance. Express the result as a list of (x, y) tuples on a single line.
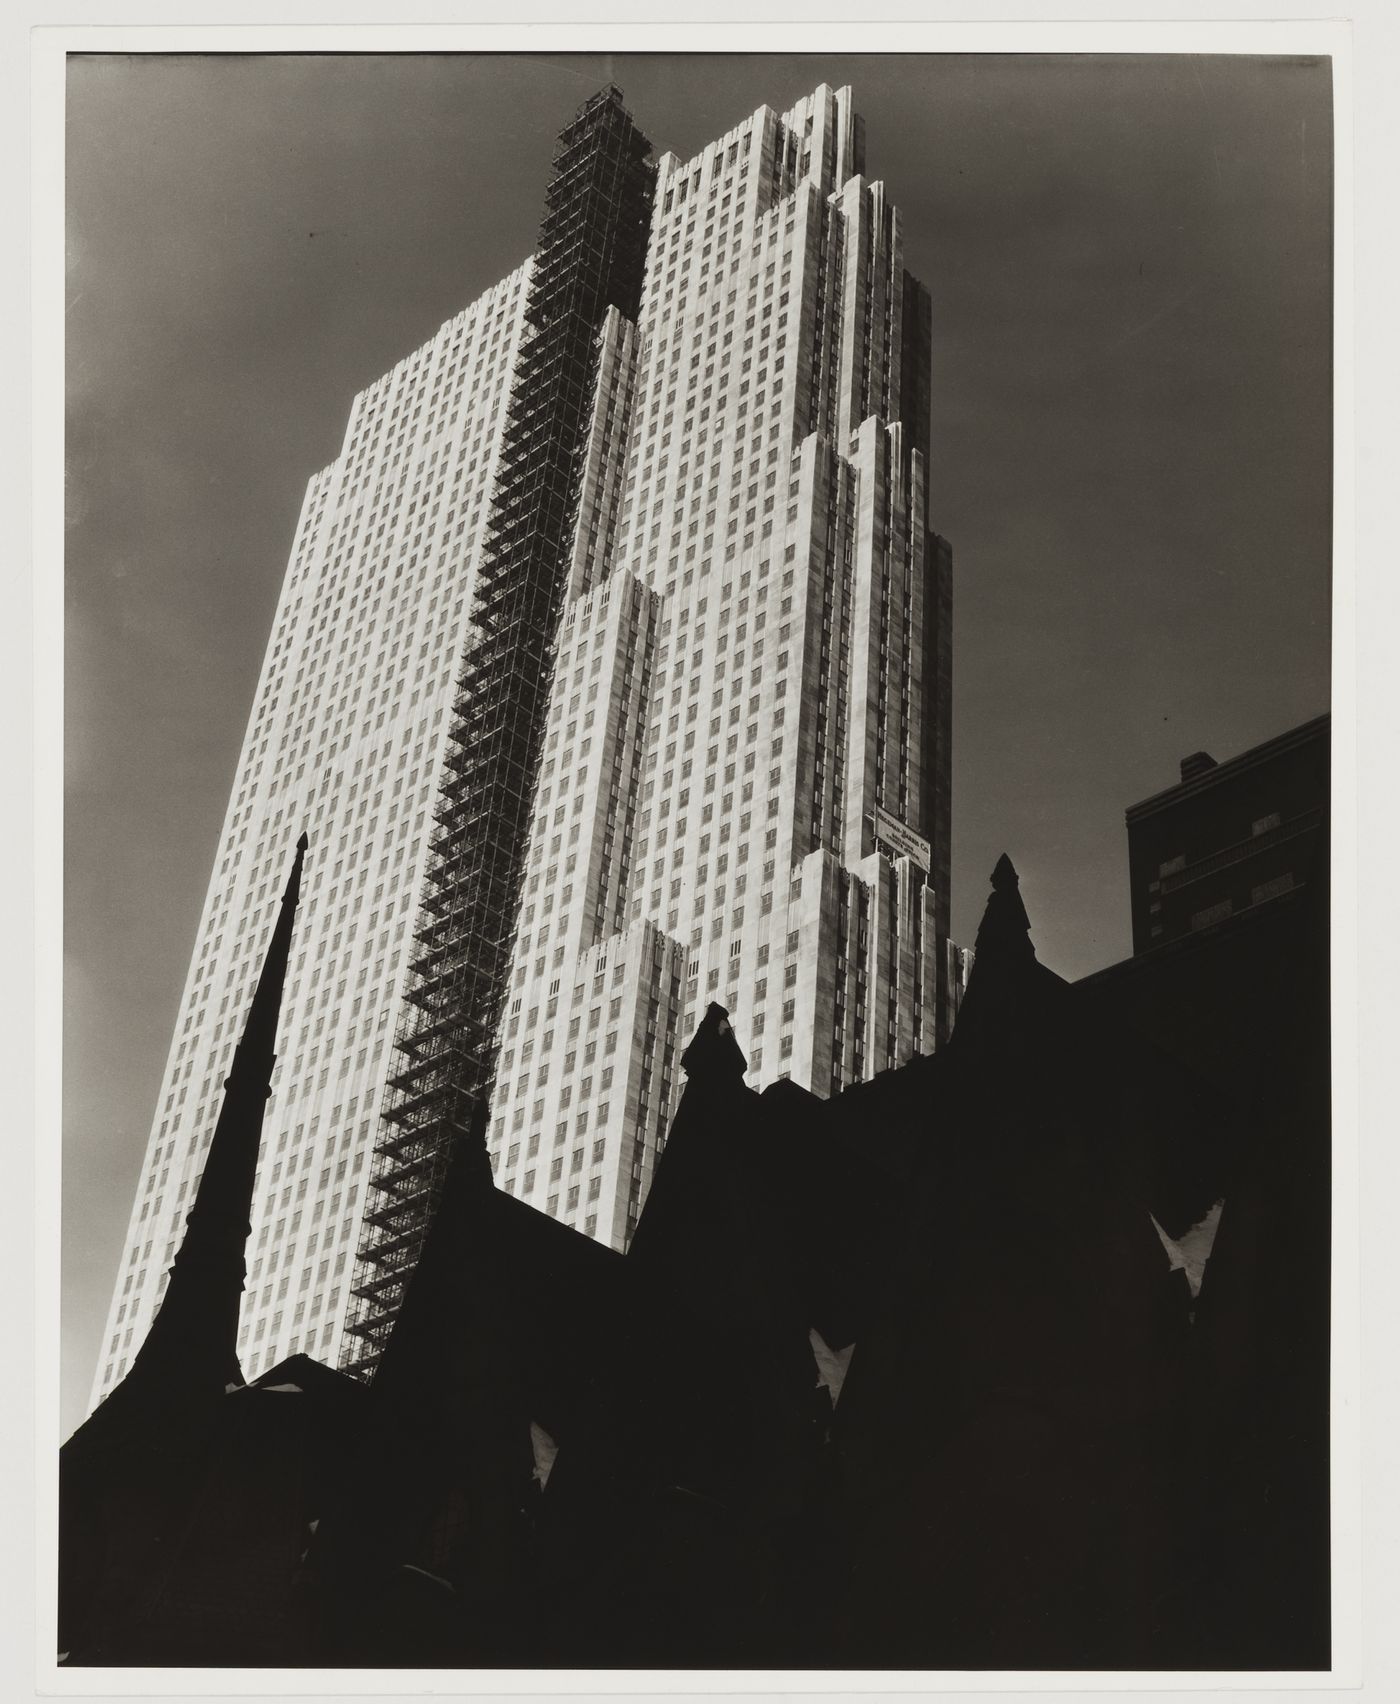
[(902, 841)]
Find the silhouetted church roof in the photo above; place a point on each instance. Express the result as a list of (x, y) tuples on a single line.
[(190, 1352), (574, 1457), (135, 1479)]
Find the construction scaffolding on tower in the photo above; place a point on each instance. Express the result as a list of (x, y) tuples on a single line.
[(591, 256)]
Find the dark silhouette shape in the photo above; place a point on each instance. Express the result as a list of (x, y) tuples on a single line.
[(903, 1378), (183, 1498)]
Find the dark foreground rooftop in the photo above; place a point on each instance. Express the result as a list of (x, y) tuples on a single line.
[(903, 1379)]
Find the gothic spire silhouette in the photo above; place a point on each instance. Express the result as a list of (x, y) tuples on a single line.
[(193, 1339), (1004, 932), (1005, 970)]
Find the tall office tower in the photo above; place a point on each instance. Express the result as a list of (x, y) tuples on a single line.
[(587, 272), (346, 740), (698, 741), (743, 780)]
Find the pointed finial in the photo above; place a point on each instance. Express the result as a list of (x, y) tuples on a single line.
[(714, 1047), (1005, 929), (291, 894)]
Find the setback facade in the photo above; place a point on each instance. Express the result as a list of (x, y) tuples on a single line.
[(741, 772)]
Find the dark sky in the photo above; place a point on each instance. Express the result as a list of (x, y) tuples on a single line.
[(1129, 260)]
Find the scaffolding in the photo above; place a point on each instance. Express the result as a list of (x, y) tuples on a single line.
[(590, 256)]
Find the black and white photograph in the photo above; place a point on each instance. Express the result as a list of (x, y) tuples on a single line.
[(697, 862)]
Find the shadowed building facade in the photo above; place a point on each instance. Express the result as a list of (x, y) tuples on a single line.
[(1229, 836), (1238, 982), (898, 1378)]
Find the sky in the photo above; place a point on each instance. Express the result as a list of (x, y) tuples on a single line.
[(1130, 267)]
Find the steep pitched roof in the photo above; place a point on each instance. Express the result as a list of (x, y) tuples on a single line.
[(193, 1339)]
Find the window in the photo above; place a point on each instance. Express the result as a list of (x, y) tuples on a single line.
[(1212, 914), (1272, 889)]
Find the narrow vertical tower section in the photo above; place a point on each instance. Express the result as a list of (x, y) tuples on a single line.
[(348, 727), (590, 258), (744, 788), (193, 1340)]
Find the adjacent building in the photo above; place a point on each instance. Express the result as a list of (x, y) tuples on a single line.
[(611, 676), (1230, 977), (1229, 836)]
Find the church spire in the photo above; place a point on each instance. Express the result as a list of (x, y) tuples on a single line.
[(1004, 934), (1004, 965), (193, 1339)]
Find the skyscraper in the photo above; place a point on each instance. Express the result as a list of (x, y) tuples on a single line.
[(660, 500), (346, 740)]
